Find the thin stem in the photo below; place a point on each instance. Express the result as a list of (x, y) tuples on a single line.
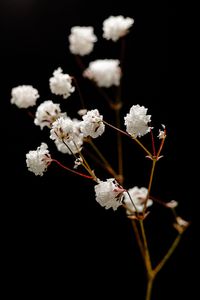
[(149, 288), (146, 249), (142, 146), (135, 139), (79, 92), (153, 142), (75, 172), (122, 52), (104, 160), (137, 236), (69, 149), (150, 183), (80, 62), (132, 201), (168, 254), (119, 145)]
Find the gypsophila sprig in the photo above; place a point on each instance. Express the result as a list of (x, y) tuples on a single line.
[(78, 139)]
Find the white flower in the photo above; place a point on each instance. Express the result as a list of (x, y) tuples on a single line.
[(61, 84), (138, 196), (162, 133), (62, 129), (109, 194), (24, 96), (136, 121), (82, 39), (92, 124), (47, 113), (37, 161), (105, 72), (116, 27), (67, 136)]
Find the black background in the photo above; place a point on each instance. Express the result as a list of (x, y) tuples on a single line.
[(56, 239)]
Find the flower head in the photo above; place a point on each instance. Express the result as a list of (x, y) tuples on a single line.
[(137, 120), (116, 26), (38, 160), (61, 84), (24, 96), (105, 72), (92, 124), (109, 194), (82, 39), (138, 197), (47, 113), (67, 136)]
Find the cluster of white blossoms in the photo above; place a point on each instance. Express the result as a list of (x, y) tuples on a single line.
[(136, 199), (38, 160), (47, 113), (61, 84), (24, 96), (109, 193), (82, 39), (104, 72), (92, 124), (67, 136), (137, 120), (116, 27)]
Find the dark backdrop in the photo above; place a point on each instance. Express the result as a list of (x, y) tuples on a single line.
[(57, 240)]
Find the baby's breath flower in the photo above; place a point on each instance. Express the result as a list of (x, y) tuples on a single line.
[(82, 39), (47, 113), (38, 160), (61, 84), (62, 129), (92, 124), (137, 120), (105, 72), (24, 96), (116, 27), (138, 197), (67, 136), (109, 194)]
